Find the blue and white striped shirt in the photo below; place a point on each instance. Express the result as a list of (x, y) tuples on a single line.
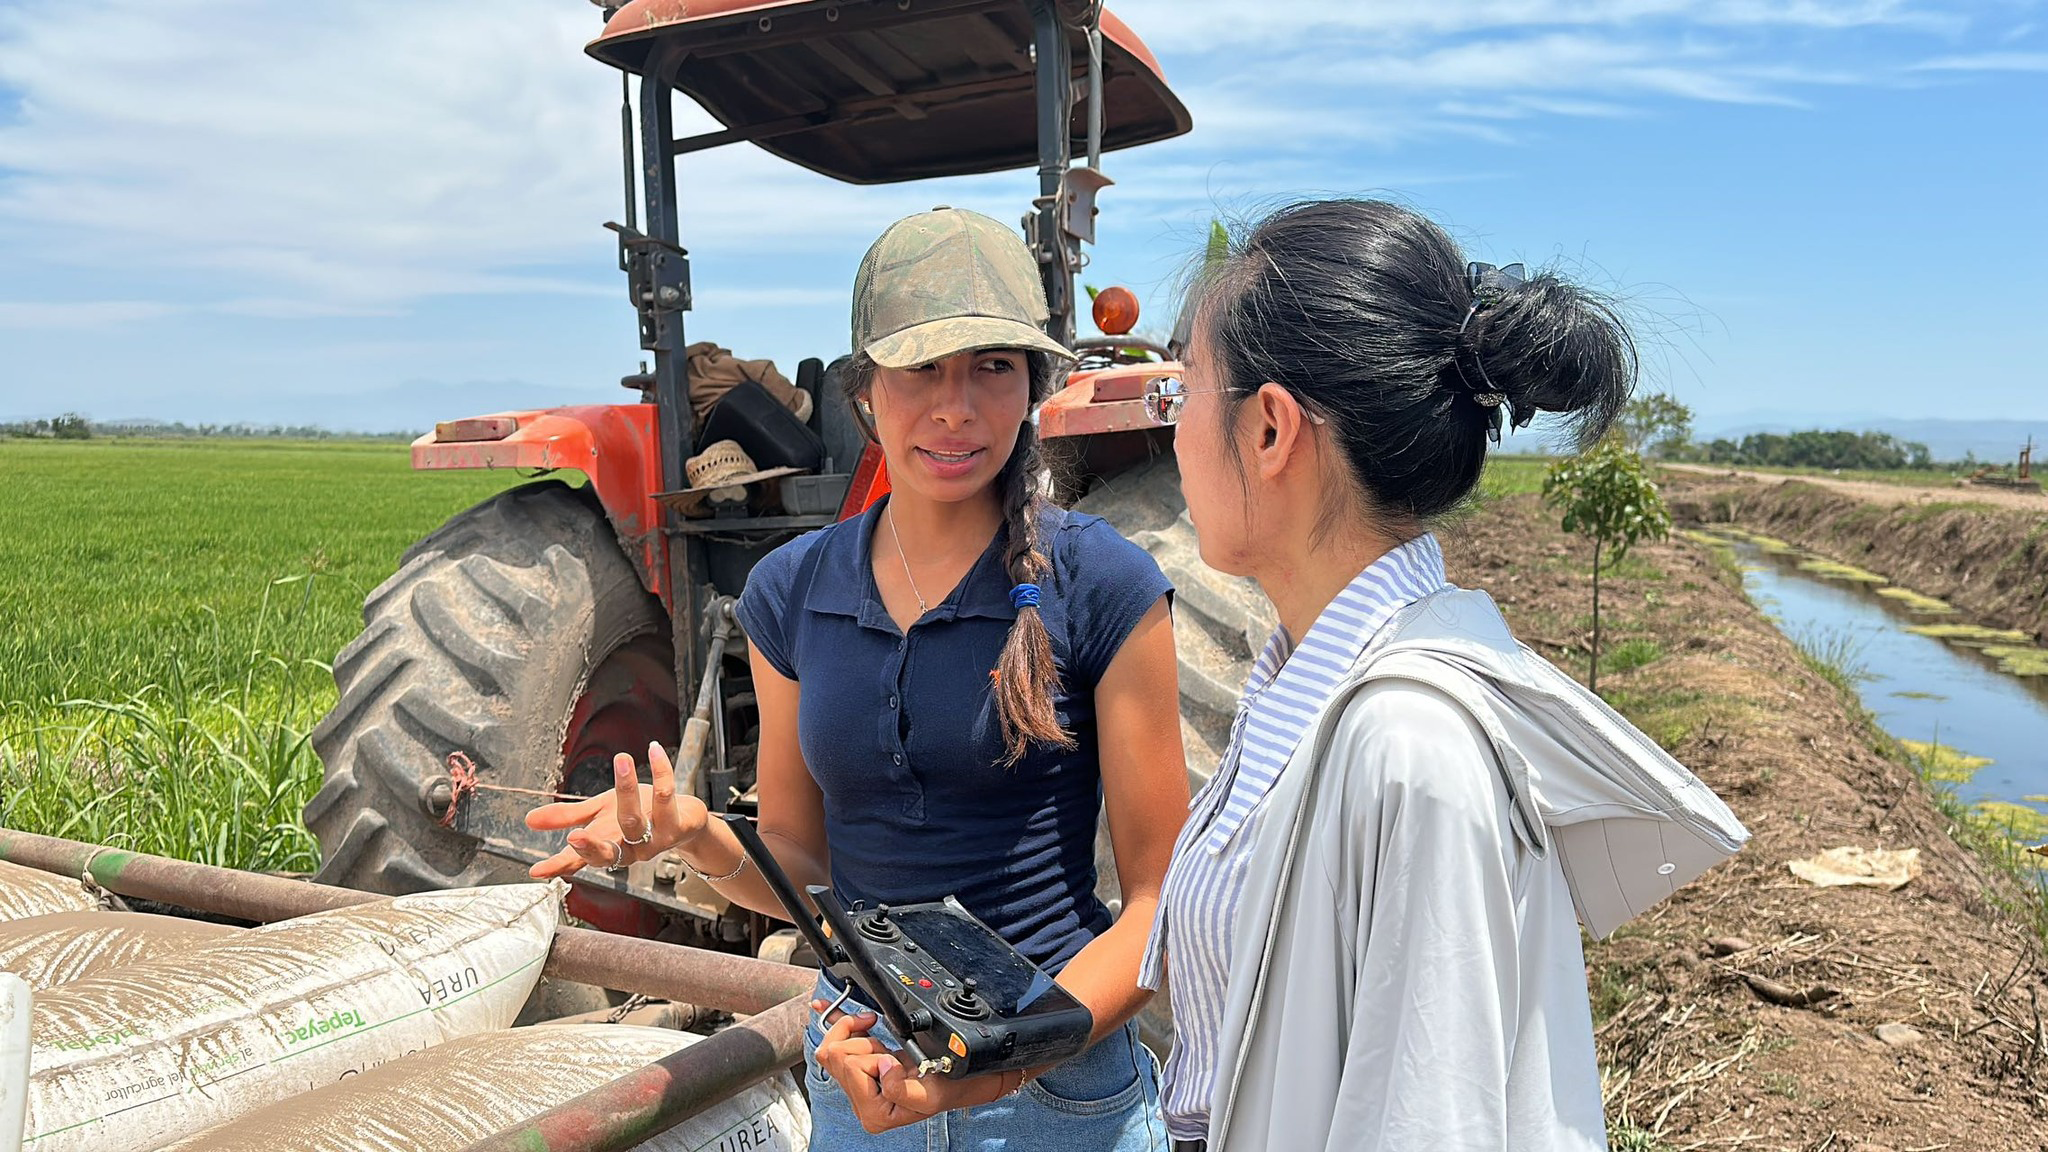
[(1198, 908)]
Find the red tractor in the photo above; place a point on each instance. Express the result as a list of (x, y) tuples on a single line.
[(539, 632)]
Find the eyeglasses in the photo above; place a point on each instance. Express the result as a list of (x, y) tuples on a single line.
[(1165, 396)]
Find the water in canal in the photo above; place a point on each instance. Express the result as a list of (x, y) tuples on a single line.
[(1920, 688)]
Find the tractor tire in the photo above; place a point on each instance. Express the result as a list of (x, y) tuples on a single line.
[(1220, 623), (517, 635)]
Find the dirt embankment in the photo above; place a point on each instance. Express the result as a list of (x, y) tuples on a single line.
[(1876, 492), (1991, 562), (1755, 1011)]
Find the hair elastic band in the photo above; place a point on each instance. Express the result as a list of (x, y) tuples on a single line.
[(1024, 596)]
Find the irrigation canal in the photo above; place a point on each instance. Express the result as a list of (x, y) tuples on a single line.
[(1944, 684)]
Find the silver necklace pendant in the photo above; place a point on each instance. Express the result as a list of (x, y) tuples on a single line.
[(922, 610)]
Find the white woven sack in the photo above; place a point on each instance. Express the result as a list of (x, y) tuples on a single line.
[(15, 1010), (26, 892), (454, 1095), (131, 1059), (64, 946)]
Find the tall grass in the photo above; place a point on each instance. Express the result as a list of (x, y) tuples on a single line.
[(1836, 655), (168, 613), (194, 768)]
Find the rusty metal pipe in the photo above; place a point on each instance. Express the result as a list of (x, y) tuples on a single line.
[(628, 963), (646, 1103)]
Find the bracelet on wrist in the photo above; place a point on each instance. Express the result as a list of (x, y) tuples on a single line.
[(700, 874)]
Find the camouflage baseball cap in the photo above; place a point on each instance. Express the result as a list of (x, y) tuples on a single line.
[(948, 281)]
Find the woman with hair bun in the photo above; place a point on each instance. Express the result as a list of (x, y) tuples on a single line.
[(1370, 915)]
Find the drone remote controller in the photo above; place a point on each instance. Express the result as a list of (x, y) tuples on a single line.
[(959, 997)]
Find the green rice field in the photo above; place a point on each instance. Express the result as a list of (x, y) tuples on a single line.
[(168, 612)]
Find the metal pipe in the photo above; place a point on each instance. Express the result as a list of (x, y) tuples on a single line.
[(697, 729), (628, 963), (1095, 90), (1054, 87), (646, 1103), (632, 160)]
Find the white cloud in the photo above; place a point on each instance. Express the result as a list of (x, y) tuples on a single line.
[(1195, 26), (354, 152), (351, 158), (1988, 62), (82, 314)]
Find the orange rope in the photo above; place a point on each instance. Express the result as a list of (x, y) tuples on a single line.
[(463, 771)]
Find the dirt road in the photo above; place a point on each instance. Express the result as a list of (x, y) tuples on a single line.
[(1885, 493)]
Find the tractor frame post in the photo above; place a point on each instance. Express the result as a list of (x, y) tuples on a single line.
[(662, 295), (1055, 59)]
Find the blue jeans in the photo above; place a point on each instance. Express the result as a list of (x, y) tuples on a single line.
[(1104, 1100)]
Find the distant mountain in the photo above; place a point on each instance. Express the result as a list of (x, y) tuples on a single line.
[(1989, 440), (405, 408)]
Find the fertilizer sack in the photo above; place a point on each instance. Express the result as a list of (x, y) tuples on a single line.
[(26, 892), (56, 949), (136, 1057), (454, 1095)]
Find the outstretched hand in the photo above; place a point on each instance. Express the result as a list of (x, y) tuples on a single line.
[(632, 822)]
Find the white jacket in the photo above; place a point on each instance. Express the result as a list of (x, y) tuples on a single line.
[(1406, 970)]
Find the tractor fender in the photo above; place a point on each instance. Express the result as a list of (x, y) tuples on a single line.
[(614, 445)]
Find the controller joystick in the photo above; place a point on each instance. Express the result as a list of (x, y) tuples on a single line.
[(966, 1002), (879, 928)]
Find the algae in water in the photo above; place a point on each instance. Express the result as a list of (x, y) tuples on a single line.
[(1831, 570), (2019, 661), (1970, 635), (1940, 762), (1915, 602), (2017, 821)]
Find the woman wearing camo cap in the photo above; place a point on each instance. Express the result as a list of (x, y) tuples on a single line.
[(953, 687)]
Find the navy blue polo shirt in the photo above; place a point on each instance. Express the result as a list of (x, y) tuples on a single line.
[(901, 731)]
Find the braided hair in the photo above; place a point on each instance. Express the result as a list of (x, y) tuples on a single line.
[(1025, 677)]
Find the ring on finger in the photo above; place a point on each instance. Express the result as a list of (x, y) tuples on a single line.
[(618, 858), (646, 834)]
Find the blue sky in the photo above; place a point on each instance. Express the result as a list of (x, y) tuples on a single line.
[(374, 213)]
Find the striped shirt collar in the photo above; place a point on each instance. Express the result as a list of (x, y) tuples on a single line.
[(1290, 684)]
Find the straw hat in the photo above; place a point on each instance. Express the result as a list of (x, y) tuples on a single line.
[(719, 474), (724, 468)]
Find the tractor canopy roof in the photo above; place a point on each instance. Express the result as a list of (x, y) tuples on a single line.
[(879, 91)]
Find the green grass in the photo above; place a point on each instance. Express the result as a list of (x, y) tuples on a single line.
[(168, 610), (1513, 475), (1836, 656), (1630, 655)]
